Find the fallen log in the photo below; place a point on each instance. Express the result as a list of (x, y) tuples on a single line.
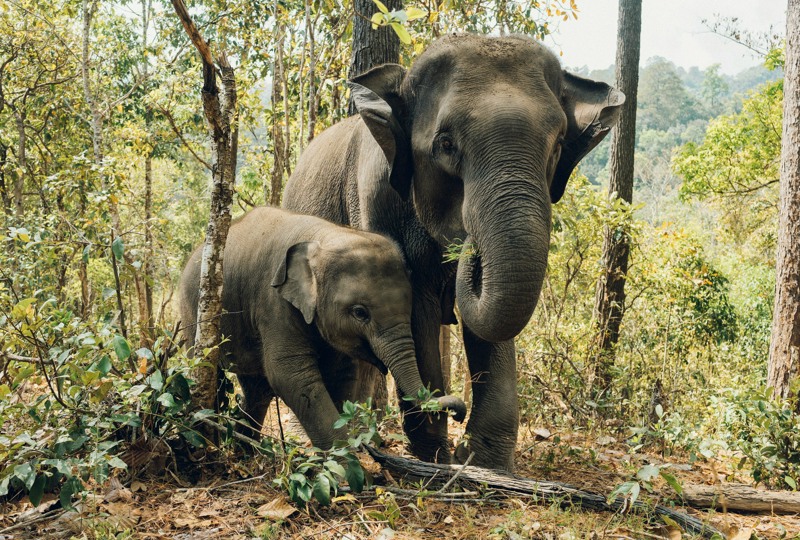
[(542, 490), (741, 497)]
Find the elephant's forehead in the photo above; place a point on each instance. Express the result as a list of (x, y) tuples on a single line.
[(366, 259), (473, 54)]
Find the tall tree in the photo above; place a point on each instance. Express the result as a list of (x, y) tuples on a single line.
[(784, 351), (610, 292), (372, 47), (222, 118)]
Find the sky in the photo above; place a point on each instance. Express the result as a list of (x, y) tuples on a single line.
[(670, 28)]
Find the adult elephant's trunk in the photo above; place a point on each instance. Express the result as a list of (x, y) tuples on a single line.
[(397, 354), (504, 258)]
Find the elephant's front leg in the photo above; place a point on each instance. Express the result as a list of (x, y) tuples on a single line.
[(297, 380), (427, 433), (494, 421)]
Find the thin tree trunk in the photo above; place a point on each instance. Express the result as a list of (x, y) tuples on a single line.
[(312, 72), (6, 198), (279, 153), (222, 118), (371, 47), (610, 292), (784, 350), (89, 11), (146, 300), (22, 165)]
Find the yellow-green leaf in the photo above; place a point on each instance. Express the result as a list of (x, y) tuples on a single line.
[(377, 20), (402, 33), (414, 13), (381, 6)]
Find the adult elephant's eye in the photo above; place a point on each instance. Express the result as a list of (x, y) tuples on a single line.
[(446, 144), (360, 313)]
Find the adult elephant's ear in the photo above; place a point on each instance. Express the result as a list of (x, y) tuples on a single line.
[(376, 96), (295, 279), (592, 109)]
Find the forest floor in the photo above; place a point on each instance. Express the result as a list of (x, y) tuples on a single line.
[(236, 499)]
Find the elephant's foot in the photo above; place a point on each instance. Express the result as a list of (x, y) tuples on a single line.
[(488, 453)]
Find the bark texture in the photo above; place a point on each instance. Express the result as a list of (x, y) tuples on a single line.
[(371, 47), (741, 497), (222, 118), (784, 350), (610, 293)]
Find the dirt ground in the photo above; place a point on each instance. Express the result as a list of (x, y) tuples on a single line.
[(236, 499)]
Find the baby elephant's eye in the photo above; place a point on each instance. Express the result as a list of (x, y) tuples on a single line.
[(360, 312)]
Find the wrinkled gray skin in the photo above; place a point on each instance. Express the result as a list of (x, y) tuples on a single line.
[(303, 298), (474, 143)]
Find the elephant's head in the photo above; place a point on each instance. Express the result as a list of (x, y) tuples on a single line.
[(354, 288), (484, 133)]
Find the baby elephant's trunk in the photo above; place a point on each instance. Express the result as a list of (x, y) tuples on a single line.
[(399, 357)]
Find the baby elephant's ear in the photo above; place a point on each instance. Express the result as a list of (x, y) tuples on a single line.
[(295, 280)]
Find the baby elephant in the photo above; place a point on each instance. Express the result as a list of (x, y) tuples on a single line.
[(303, 298)]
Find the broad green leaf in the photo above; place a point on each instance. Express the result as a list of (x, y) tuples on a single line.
[(25, 474), (335, 468), (381, 6), (121, 347), (790, 482), (156, 380), (37, 490), (193, 438), (378, 19), (647, 473), (71, 487), (354, 474), (322, 489), (673, 482), (118, 248), (167, 400), (104, 365)]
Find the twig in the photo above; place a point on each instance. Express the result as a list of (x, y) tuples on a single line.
[(236, 434), (455, 476), (43, 517)]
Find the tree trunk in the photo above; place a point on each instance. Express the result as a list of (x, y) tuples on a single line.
[(742, 498), (6, 199), (312, 73), (784, 350), (610, 292), (222, 118), (22, 165), (146, 329), (371, 47), (89, 11), (273, 197)]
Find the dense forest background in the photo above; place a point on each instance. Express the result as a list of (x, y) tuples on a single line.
[(104, 189)]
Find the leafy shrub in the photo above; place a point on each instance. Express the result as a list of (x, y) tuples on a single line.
[(767, 433)]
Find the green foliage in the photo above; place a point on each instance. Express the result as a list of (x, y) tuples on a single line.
[(736, 167), (314, 474), (767, 434)]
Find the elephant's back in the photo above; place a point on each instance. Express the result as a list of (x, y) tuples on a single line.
[(318, 185)]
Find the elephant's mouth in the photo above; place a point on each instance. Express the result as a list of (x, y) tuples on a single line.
[(473, 267), (366, 354)]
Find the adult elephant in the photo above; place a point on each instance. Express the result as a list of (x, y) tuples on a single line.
[(469, 147)]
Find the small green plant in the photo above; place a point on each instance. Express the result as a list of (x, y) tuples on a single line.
[(645, 477), (316, 474)]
